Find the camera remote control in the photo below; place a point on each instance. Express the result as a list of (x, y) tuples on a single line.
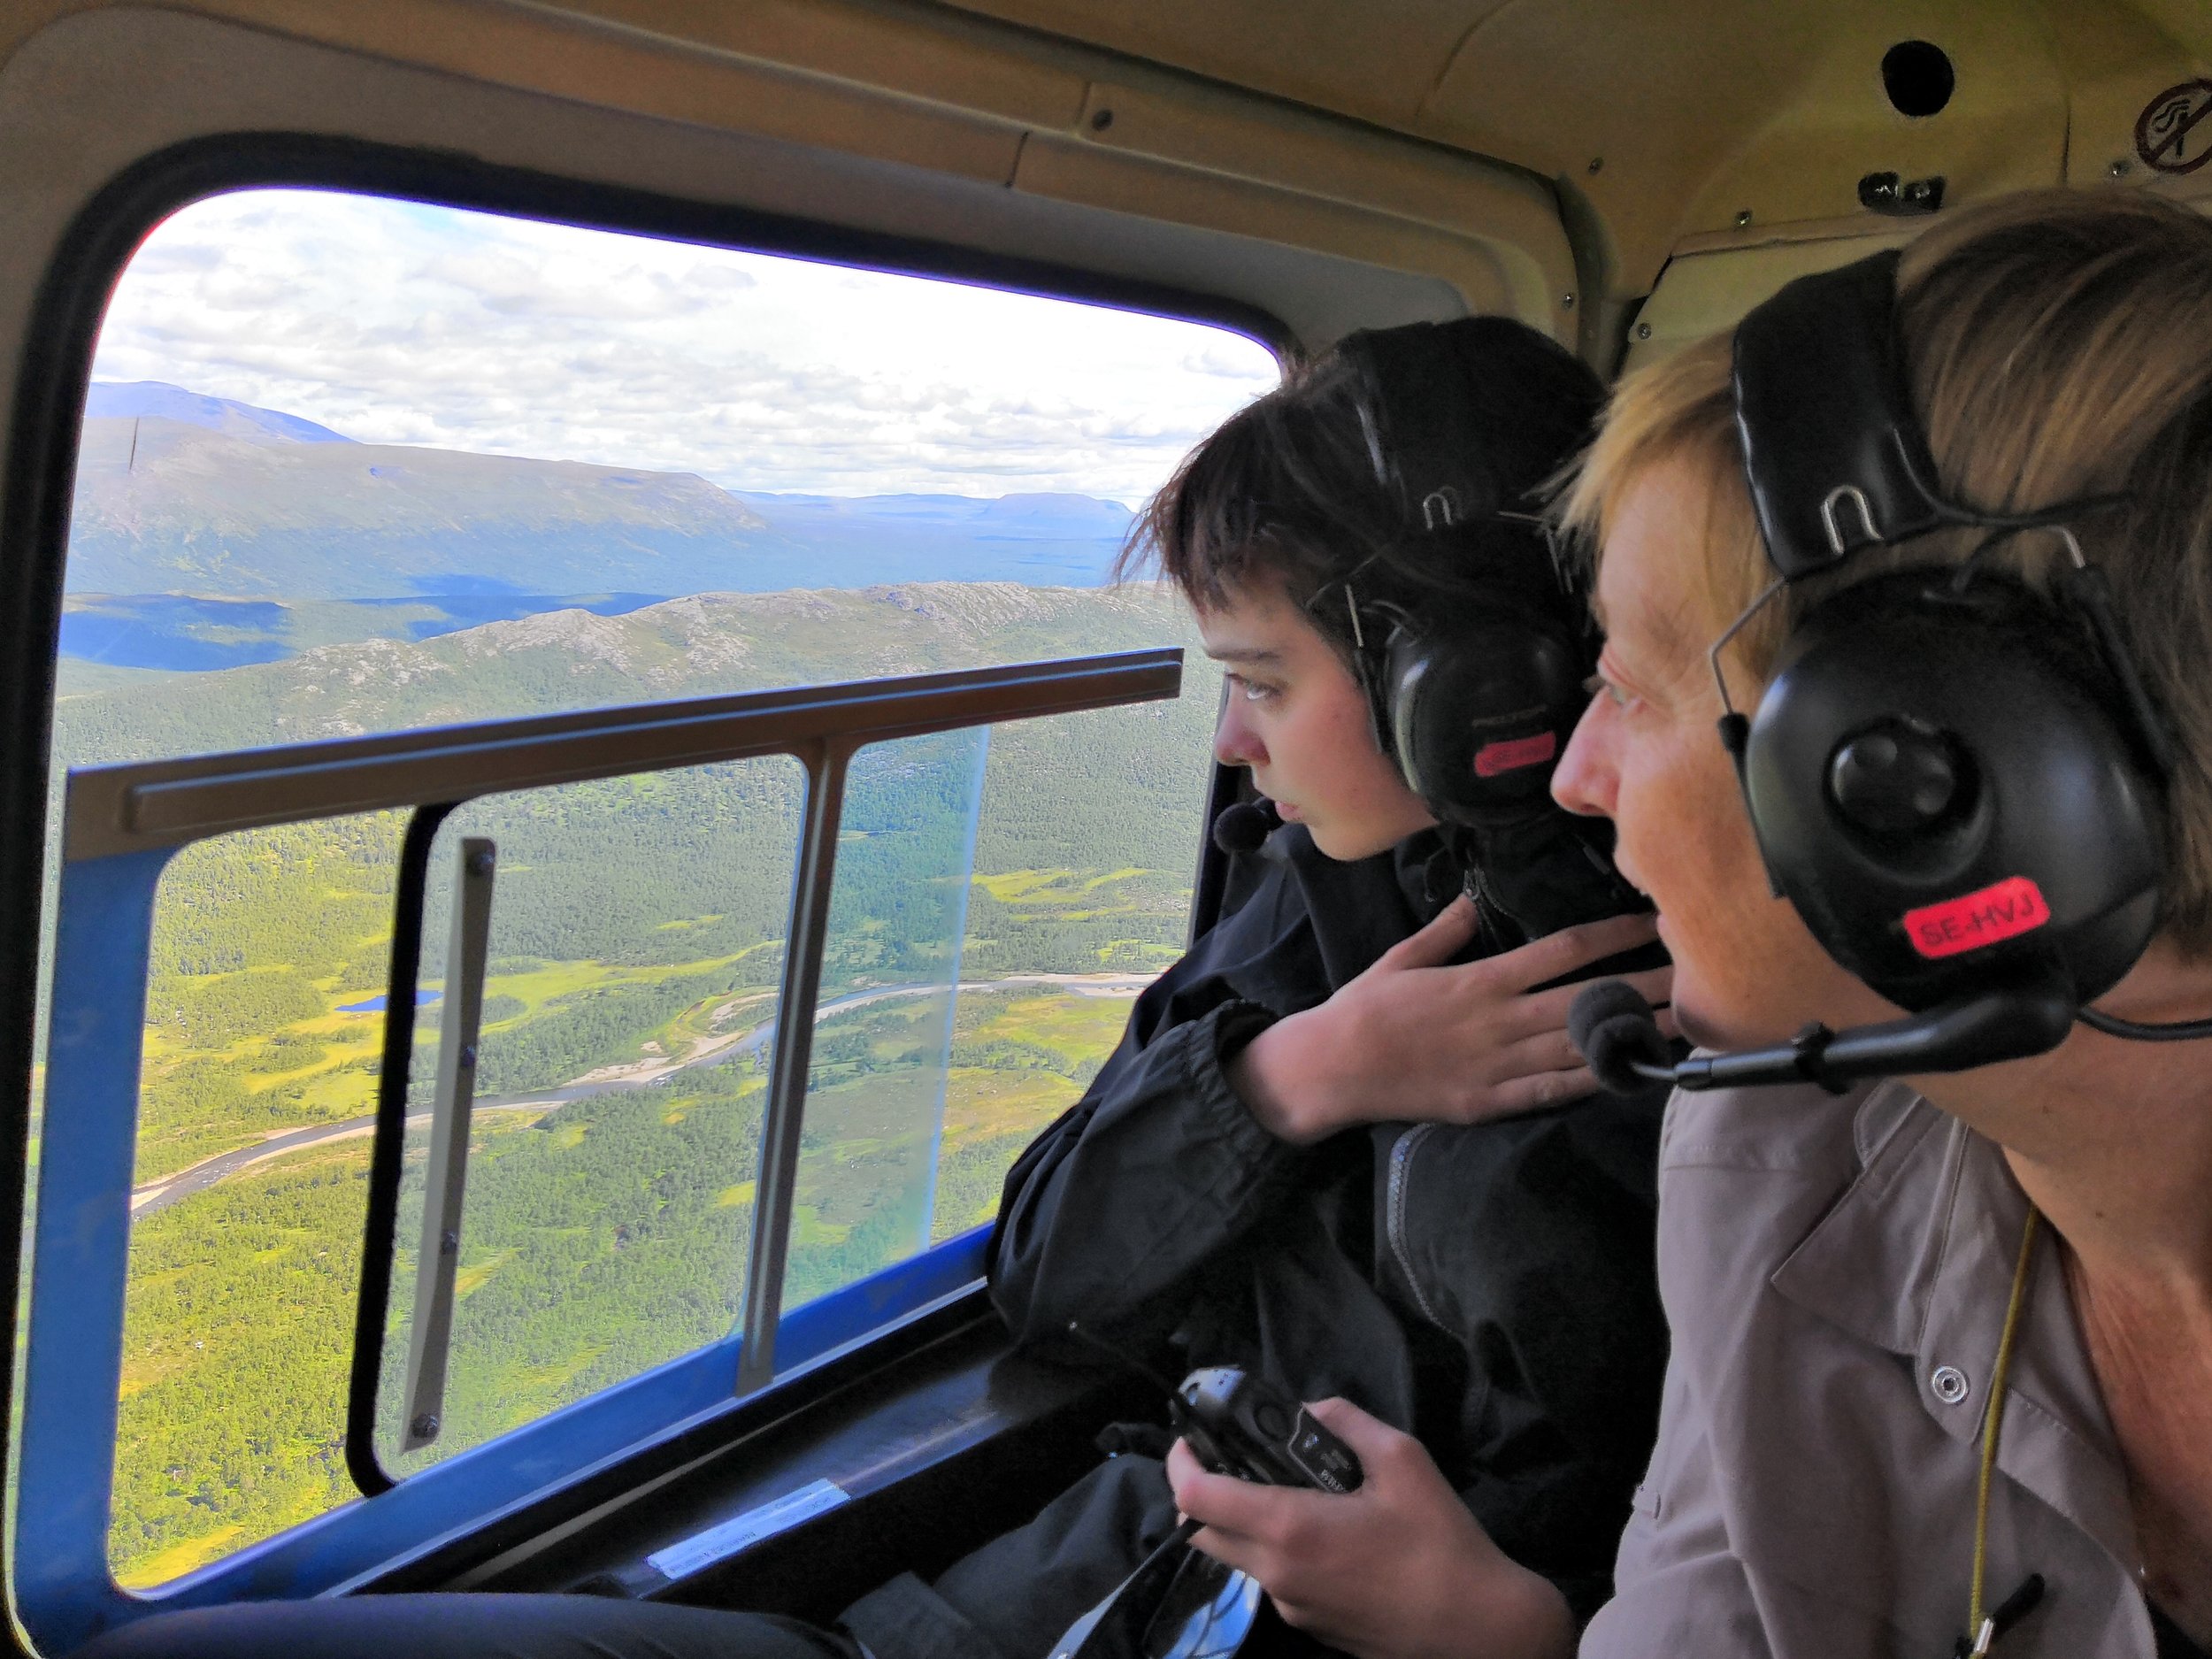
[(1240, 1425)]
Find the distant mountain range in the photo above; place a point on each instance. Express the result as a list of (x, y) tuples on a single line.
[(211, 533), (113, 399), (699, 645)]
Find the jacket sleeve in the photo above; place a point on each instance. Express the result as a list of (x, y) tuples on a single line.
[(1533, 1245), (1111, 1211)]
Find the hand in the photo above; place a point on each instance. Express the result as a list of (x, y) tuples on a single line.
[(1397, 1569), (1414, 1040)]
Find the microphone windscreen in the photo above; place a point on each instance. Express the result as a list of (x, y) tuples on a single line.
[(1600, 1001), (1242, 826), (1613, 1026)]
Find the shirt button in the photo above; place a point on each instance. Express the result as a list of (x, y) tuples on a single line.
[(1949, 1384)]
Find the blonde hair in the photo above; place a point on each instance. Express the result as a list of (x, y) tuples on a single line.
[(2058, 345)]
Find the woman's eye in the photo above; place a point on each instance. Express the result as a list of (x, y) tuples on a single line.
[(1599, 685), (1253, 690)]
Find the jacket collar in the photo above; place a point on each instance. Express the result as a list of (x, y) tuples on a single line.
[(1917, 1257)]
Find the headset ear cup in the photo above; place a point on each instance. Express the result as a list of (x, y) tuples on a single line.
[(1940, 790), (1479, 712)]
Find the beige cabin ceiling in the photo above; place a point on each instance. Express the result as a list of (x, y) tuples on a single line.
[(1545, 158), (1698, 110)]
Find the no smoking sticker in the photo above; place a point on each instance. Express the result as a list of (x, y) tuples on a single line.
[(2170, 134)]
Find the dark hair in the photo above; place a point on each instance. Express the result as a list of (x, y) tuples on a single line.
[(1296, 486)]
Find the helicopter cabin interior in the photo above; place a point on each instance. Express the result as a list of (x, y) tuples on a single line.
[(306, 836)]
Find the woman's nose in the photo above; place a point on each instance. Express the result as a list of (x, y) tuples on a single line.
[(1583, 780)]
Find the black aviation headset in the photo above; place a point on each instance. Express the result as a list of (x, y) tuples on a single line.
[(1467, 635), (1473, 694), (1958, 781)]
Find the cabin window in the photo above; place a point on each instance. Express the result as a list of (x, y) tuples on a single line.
[(352, 466)]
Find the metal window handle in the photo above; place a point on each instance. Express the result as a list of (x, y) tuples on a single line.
[(790, 1058), (445, 1182)]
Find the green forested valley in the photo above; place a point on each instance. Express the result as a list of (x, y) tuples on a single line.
[(1043, 870)]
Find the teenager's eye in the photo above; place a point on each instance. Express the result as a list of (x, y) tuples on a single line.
[(1253, 690)]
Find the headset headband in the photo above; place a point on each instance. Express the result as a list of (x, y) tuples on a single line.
[(1833, 450), (1831, 443), (1422, 434), (1836, 460)]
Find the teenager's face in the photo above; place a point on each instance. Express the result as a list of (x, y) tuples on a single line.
[(1648, 755), (1296, 717)]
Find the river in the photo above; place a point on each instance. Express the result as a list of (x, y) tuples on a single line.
[(158, 1195)]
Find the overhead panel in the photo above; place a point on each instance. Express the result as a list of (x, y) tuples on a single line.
[(1714, 115), (1168, 148), (1376, 60), (1700, 294), (2003, 127), (1703, 117), (916, 52), (1239, 164), (2123, 66), (1624, 101)]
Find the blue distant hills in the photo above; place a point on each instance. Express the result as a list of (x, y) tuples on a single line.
[(212, 533), (119, 399)]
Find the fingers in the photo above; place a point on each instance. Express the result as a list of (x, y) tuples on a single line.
[(1369, 1436), (1440, 941), (1182, 1464), (1222, 1502), (1550, 1051), (1569, 948), (1246, 1526), (1528, 1093), (1547, 1010), (1232, 1550)]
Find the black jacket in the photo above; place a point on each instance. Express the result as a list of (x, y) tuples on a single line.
[(1487, 1288)]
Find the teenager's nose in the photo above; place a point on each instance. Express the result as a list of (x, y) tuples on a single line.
[(1585, 780), (1235, 743)]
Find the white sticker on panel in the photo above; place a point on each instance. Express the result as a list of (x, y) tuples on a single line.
[(718, 1542)]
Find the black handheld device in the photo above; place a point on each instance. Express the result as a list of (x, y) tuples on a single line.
[(1239, 1425)]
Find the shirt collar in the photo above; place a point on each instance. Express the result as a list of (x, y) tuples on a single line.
[(1917, 1258)]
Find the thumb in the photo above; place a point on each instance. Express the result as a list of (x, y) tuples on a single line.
[(1440, 941), (1368, 1436)]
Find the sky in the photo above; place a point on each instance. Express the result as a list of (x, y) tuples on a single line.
[(399, 323)]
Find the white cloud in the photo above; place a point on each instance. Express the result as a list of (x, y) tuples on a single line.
[(398, 323)]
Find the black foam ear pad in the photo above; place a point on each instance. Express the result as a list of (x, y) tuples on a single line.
[(1940, 786), (1480, 708)]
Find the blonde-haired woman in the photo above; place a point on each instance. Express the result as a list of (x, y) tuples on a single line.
[(1838, 1270)]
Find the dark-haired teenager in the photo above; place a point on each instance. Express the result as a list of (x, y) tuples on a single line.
[(1323, 1149), (1344, 1143)]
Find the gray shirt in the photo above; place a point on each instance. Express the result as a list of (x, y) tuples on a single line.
[(1835, 1271)]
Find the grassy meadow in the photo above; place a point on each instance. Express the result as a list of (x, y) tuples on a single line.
[(637, 944)]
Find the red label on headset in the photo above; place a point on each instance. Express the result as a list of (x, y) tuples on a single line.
[(1511, 753), (2003, 909)]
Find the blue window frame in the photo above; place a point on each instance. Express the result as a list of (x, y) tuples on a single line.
[(95, 977), (122, 825)]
